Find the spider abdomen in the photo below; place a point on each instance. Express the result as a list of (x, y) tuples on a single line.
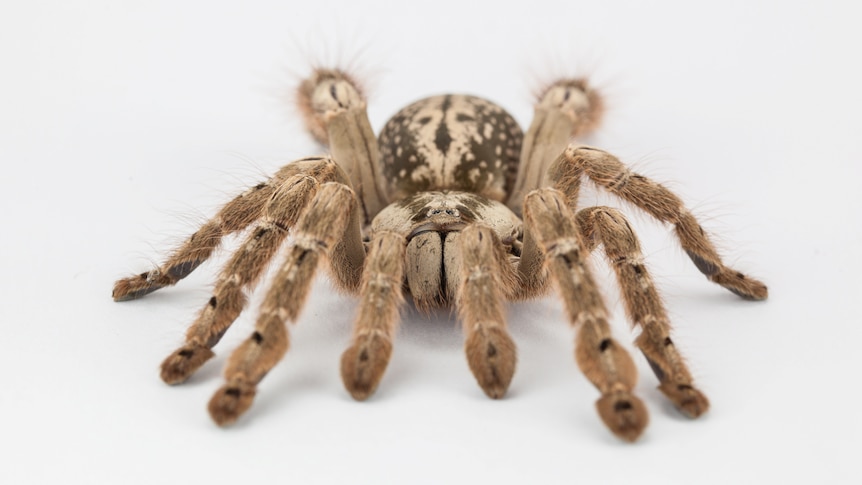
[(451, 142)]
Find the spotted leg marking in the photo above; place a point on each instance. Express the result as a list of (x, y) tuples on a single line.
[(234, 216), (316, 232), (363, 363), (607, 171), (486, 278), (608, 227), (602, 360), (241, 272)]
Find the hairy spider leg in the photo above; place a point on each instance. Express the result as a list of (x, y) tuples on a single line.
[(608, 227), (601, 358), (487, 278), (607, 171), (318, 229), (365, 360), (240, 274), (234, 216)]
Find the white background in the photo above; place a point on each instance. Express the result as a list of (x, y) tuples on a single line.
[(123, 125)]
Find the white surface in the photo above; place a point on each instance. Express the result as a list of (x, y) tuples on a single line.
[(124, 124)]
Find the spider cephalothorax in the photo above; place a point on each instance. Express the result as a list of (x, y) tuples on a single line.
[(453, 205)]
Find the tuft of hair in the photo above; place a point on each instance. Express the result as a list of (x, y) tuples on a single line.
[(577, 63), (304, 98), (331, 53), (577, 99)]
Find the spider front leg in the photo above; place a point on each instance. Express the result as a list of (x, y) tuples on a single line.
[(316, 235), (556, 238), (363, 363), (486, 278), (608, 227)]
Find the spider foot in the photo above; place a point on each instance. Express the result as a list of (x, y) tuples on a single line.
[(136, 287), (491, 355), (624, 414), (363, 364), (741, 285), (230, 402), (736, 282), (686, 398), (183, 362)]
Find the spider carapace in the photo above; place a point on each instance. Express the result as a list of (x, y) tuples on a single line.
[(453, 205)]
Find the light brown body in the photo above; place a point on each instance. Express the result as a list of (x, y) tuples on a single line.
[(457, 207)]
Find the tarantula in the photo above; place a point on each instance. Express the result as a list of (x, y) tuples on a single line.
[(453, 205)]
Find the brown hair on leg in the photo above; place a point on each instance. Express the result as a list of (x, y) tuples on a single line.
[(602, 360), (486, 279), (317, 230), (363, 363), (607, 171), (644, 307)]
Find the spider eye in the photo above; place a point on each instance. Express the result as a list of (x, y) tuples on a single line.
[(440, 211)]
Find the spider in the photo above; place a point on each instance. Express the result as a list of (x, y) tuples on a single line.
[(453, 205)]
